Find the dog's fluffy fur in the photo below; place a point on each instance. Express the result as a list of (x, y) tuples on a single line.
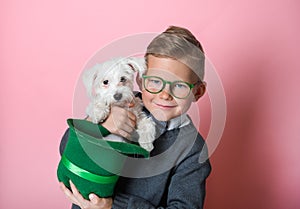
[(111, 83)]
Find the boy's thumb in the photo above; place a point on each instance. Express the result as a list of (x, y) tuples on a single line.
[(93, 198)]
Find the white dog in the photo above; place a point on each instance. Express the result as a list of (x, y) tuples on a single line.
[(111, 83)]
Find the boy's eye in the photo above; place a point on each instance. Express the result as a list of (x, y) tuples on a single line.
[(123, 79), (105, 82), (181, 85), (155, 81)]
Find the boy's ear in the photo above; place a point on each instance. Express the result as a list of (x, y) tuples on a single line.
[(199, 90)]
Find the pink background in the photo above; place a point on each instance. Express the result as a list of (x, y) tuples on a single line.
[(254, 46)]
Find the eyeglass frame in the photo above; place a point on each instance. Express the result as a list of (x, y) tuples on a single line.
[(190, 85)]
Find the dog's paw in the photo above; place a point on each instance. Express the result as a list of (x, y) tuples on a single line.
[(147, 146), (146, 132)]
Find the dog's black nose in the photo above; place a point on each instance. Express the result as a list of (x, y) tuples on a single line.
[(118, 96)]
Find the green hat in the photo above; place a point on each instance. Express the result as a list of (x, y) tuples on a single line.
[(92, 163)]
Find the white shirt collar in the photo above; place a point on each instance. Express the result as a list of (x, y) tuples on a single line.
[(178, 122)]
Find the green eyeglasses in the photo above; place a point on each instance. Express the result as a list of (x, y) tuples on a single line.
[(178, 89)]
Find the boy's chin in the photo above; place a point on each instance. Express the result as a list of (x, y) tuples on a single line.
[(160, 115)]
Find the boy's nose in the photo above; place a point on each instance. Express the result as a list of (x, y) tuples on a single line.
[(165, 93)]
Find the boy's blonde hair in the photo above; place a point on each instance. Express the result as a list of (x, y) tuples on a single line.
[(180, 44)]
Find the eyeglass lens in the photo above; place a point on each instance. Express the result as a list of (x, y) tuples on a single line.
[(155, 85)]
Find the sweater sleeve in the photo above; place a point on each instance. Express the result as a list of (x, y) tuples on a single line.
[(187, 186), (126, 201), (64, 141)]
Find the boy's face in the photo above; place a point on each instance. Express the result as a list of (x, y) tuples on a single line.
[(163, 106)]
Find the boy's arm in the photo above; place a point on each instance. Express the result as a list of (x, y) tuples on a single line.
[(64, 141)]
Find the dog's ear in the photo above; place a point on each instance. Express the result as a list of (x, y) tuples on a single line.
[(89, 77), (138, 64)]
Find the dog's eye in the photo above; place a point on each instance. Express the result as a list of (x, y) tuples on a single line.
[(105, 82), (123, 79)]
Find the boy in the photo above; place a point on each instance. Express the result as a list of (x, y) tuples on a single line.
[(175, 175)]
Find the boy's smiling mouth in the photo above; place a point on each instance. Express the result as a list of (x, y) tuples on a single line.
[(164, 106)]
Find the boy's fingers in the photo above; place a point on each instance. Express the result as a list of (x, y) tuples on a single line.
[(68, 193), (125, 117), (131, 116), (76, 193), (94, 199), (124, 134), (130, 105), (79, 198), (65, 189), (73, 188), (120, 111)]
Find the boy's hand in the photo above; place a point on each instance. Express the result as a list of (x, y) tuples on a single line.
[(120, 121), (76, 198)]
